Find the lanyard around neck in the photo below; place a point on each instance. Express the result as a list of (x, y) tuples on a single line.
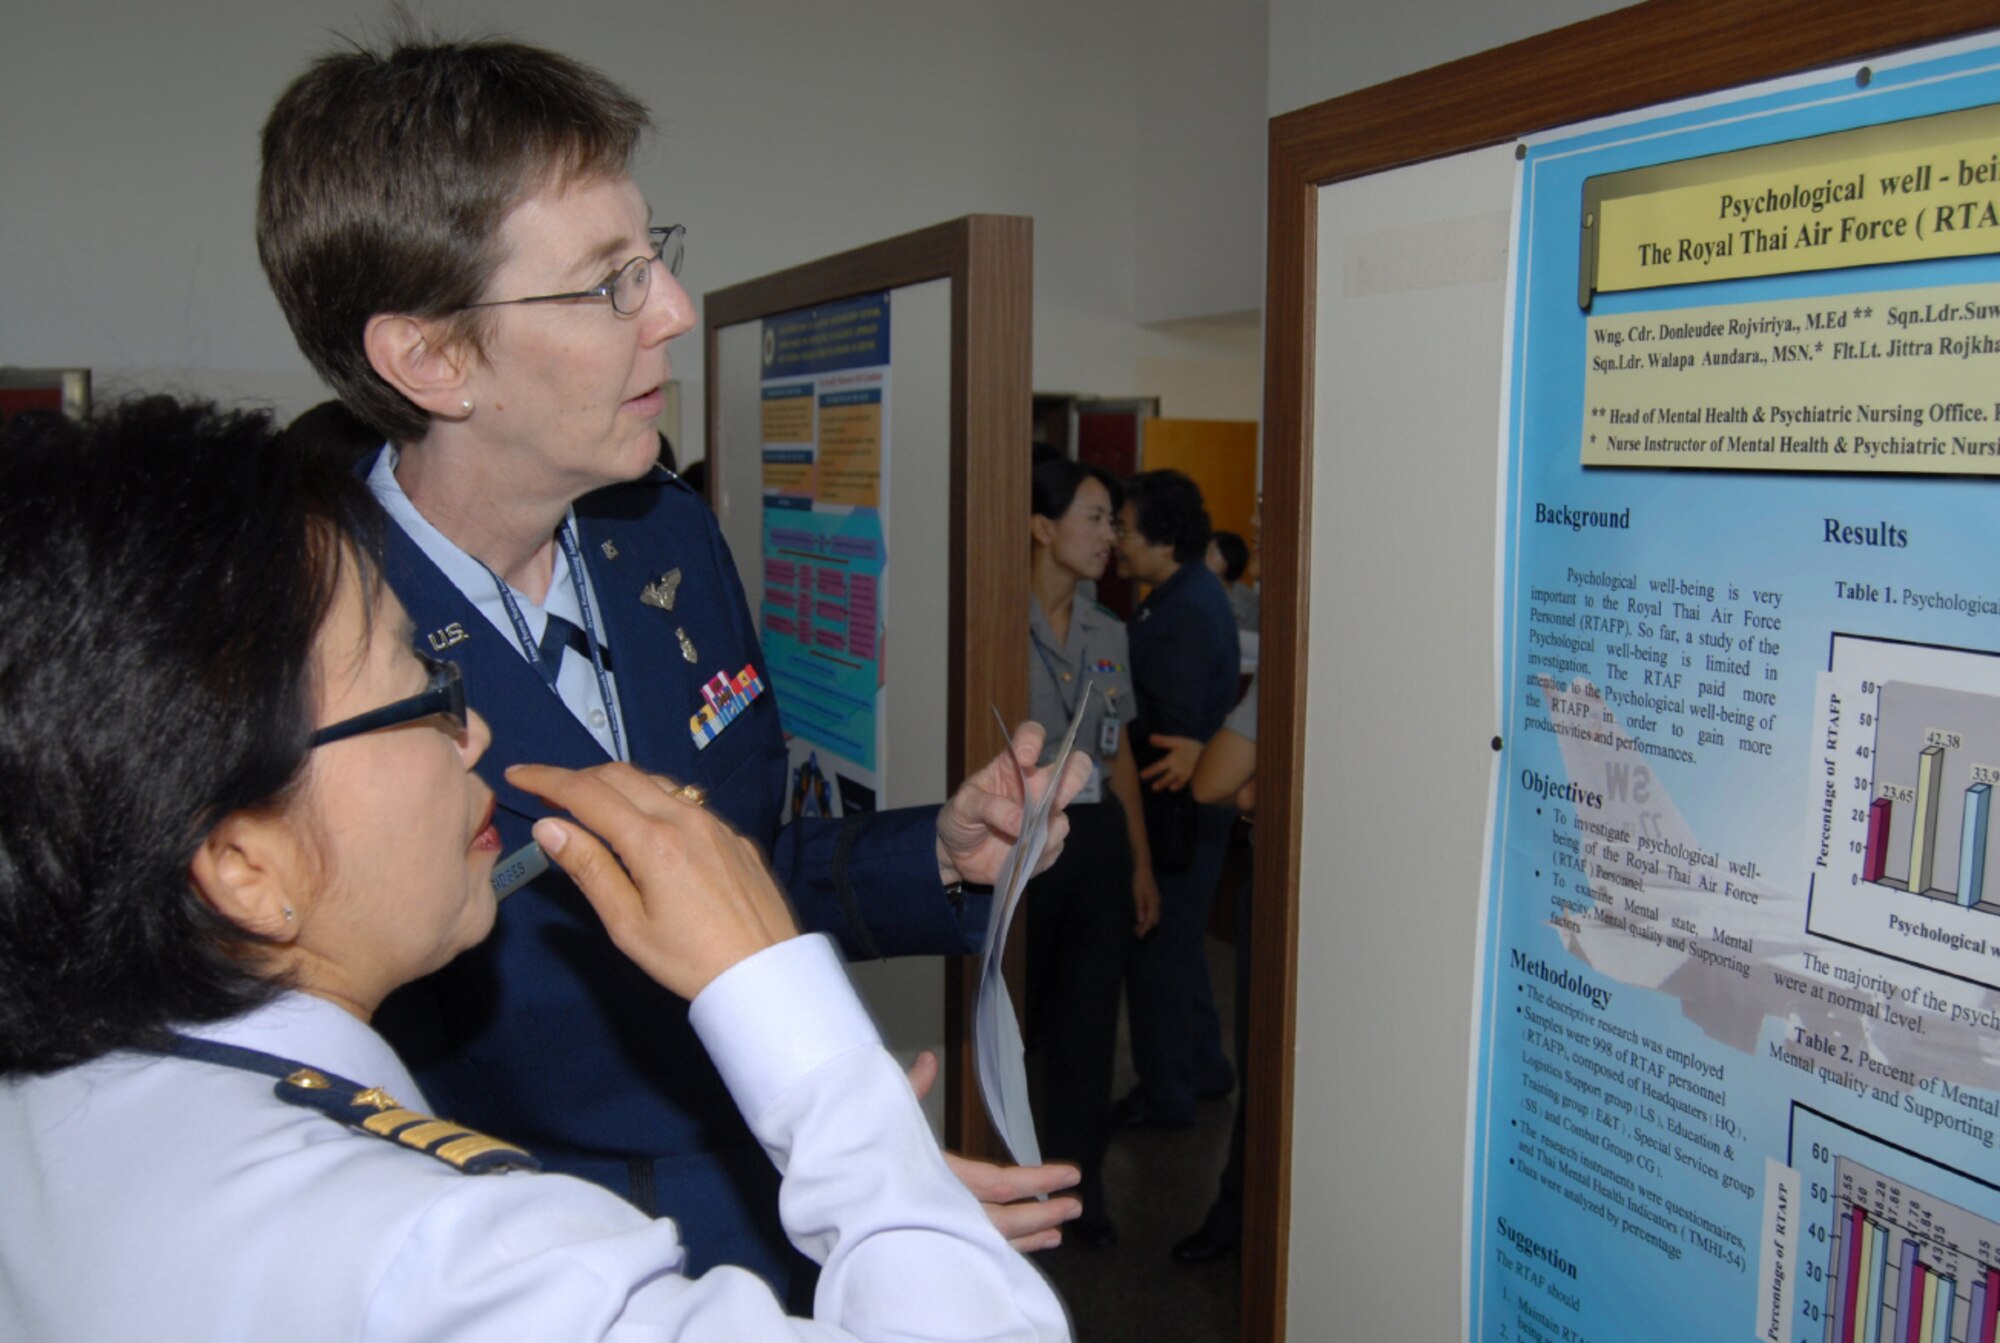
[(532, 651)]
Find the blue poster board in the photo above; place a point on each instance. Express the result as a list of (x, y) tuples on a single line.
[(1737, 1055), (825, 432)]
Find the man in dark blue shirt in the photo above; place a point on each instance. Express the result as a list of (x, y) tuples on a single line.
[(1184, 672)]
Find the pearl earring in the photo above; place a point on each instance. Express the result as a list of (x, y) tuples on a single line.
[(465, 406)]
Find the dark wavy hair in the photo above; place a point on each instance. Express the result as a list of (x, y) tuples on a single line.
[(386, 177), (1057, 479), (1169, 511), (1235, 552), (163, 574)]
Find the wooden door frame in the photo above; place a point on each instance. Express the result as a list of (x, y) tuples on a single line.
[(1652, 53), (989, 260)]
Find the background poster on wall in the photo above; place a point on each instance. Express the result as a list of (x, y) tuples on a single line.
[(1737, 1054), (825, 415)]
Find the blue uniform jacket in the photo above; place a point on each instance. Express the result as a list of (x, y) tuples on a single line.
[(1185, 657), (545, 1033)]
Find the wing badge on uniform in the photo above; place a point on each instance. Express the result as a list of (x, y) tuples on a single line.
[(662, 593)]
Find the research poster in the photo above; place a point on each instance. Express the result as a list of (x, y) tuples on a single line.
[(825, 430), (1737, 1057)]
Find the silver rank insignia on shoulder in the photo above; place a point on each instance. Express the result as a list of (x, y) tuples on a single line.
[(610, 551), (687, 644), (662, 593)]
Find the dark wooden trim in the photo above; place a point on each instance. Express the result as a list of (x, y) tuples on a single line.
[(934, 253), (992, 313), (1291, 268), (1632, 58), (989, 260)]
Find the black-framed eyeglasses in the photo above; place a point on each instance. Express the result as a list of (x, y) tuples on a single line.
[(445, 694), (628, 286)]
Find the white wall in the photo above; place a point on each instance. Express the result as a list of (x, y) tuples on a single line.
[(1205, 368), (1200, 229), (789, 130), (1401, 699), (1321, 49), (1133, 130), (1398, 760)]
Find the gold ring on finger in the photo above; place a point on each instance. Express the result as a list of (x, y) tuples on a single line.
[(692, 793)]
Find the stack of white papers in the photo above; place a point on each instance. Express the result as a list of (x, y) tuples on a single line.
[(997, 1049)]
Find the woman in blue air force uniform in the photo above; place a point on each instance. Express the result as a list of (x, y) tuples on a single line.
[(458, 245)]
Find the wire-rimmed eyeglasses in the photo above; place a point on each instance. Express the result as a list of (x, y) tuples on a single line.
[(626, 287)]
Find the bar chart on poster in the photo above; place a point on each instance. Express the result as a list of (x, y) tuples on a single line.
[(1900, 1248), (1910, 753), (1915, 812)]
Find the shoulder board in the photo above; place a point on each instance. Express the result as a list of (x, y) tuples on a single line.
[(371, 1110)]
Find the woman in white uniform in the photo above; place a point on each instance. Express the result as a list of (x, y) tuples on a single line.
[(240, 812)]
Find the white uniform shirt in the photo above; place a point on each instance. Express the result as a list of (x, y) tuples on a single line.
[(164, 1198)]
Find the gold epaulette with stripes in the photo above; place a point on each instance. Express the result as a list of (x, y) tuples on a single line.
[(373, 1110)]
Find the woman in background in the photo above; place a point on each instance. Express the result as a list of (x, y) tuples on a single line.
[(1185, 656), (1085, 911), (1223, 770), (1228, 559)]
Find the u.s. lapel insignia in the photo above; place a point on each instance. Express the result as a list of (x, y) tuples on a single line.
[(687, 644), (610, 551), (662, 593)]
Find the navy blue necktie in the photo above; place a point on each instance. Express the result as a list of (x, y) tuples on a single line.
[(560, 635)]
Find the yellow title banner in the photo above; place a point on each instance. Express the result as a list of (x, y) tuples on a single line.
[(1904, 191)]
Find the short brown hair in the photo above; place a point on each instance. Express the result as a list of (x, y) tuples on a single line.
[(386, 177)]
